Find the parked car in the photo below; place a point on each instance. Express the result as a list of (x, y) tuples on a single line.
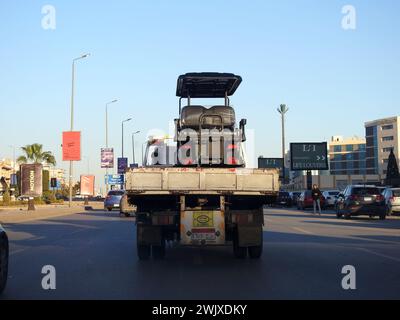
[(3, 259), (359, 200), (305, 201), (113, 199), (391, 200), (283, 199), (330, 197), (294, 196)]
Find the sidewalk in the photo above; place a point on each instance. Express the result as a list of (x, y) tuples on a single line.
[(21, 214)]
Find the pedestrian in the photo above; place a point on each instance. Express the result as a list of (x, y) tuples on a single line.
[(316, 196)]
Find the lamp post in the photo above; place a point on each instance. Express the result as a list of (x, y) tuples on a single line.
[(123, 134), (133, 146), (72, 120), (283, 109), (107, 104)]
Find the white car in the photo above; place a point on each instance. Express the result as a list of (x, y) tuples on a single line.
[(392, 200), (330, 197)]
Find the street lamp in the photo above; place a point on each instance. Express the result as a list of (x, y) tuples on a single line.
[(107, 104), (283, 109), (123, 134), (72, 120), (133, 146)]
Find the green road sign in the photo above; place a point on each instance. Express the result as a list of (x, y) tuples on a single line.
[(309, 156)]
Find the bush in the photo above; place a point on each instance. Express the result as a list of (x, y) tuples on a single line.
[(6, 198)]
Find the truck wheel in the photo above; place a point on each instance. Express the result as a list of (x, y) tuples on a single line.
[(256, 252), (3, 263), (159, 251), (143, 251), (239, 252)]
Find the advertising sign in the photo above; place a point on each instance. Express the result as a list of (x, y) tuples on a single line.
[(107, 158), (71, 146), (115, 179), (309, 156), (55, 184), (271, 163), (31, 180), (87, 185), (13, 179), (122, 165)]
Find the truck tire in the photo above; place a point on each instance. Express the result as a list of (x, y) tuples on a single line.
[(256, 252), (3, 262), (143, 251), (159, 251), (238, 252)]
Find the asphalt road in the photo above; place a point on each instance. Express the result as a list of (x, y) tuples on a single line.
[(94, 254)]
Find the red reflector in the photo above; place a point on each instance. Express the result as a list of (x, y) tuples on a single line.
[(232, 146), (232, 160)]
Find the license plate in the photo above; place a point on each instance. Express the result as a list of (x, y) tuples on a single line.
[(203, 236), (116, 205), (367, 199)]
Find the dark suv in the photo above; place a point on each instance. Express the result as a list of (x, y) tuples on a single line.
[(3, 259), (359, 200)]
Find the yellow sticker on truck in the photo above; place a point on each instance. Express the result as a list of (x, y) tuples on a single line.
[(203, 219)]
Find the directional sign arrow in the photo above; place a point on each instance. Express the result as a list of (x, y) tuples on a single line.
[(321, 158)]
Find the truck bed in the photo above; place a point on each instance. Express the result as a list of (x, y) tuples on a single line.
[(236, 181)]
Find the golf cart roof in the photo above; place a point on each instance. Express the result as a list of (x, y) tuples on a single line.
[(207, 85)]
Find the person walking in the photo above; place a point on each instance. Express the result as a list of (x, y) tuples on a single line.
[(316, 196)]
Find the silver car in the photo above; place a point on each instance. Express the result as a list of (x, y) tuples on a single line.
[(330, 197), (3, 259), (392, 200)]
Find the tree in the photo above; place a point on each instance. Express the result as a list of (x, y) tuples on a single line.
[(392, 173), (34, 153)]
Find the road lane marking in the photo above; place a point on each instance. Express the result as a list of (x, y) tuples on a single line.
[(379, 254), (301, 230)]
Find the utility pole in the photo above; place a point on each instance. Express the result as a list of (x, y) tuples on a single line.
[(72, 121), (283, 109)]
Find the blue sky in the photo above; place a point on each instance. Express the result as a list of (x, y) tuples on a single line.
[(292, 52)]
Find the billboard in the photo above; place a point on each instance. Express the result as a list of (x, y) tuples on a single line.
[(309, 156), (115, 179), (71, 146), (271, 163), (31, 180), (107, 158), (122, 165), (87, 185)]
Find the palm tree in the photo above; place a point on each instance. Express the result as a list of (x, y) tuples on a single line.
[(34, 154)]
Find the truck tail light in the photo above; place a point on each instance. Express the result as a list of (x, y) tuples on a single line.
[(354, 197)]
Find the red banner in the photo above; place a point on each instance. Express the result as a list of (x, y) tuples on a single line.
[(87, 185), (71, 146)]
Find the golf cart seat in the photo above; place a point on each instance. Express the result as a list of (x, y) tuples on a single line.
[(191, 117)]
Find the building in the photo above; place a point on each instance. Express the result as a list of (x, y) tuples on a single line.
[(381, 136), (347, 156)]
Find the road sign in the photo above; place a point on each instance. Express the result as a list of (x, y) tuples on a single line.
[(309, 156), (271, 163), (115, 179)]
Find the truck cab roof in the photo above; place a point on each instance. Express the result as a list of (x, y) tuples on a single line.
[(207, 85)]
